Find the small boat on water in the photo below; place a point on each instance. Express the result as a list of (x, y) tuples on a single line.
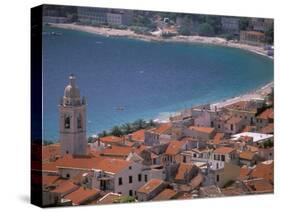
[(120, 108)]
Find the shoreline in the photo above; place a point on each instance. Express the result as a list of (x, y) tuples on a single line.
[(110, 32), (257, 93)]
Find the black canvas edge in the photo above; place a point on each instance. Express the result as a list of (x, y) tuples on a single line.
[(36, 192)]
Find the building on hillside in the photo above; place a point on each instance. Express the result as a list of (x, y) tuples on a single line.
[(223, 155), (261, 25), (202, 133), (150, 189), (158, 135), (252, 38), (230, 25)]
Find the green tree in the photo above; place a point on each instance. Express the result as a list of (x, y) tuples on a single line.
[(206, 29), (116, 131), (184, 30), (244, 23), (139, 124), (127, 128), (151, 123)]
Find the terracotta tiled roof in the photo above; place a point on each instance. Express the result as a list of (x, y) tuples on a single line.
[(267, 114), (265, 171), (119, 151), (218, 137), (247, 155), (49, 180), (81, 195), (174, 148), (244, 173), (106, 164), (208, 130), (50, 167), (163, 128), (166, 194), (259, 185), (138, 135), (65, 186), (150, 186), (112, 139), (224, 150), (50, 151), (182, 170)]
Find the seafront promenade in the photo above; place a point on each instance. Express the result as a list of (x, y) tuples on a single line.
[(178, 38)]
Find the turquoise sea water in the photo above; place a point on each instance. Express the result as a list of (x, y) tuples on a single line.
[(146, 78)]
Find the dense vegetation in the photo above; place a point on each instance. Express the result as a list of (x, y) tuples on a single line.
[(128, 128)]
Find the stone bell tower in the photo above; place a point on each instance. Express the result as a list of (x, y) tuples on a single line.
[(72, 121)]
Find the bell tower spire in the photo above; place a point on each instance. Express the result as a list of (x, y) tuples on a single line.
[(73, 120)]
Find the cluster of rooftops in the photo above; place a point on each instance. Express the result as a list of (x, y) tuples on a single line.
[(205, 153)]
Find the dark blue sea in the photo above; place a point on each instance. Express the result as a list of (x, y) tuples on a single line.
[(146, 79)]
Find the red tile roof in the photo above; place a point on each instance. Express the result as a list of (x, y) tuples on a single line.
[(163, 128), (112, 139), (182, 170), (244, 173), (218, 137), (106, 164), (174, 147), (50, 151), (82, 195), (49, 180), (117, 151), (138, 136), (208, 130), (267, 114), (150, 186), (166, 194), (50, 167), (247, 155), (259, 185), (65, 186), (265, 171), (224, 150)]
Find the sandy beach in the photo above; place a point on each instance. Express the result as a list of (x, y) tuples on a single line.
[(257, 94), (179, 38)]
